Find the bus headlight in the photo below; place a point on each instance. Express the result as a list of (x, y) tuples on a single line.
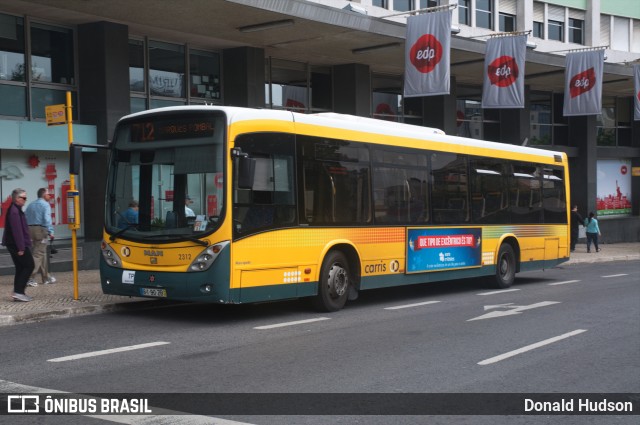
[(109, 255), (205, 259)]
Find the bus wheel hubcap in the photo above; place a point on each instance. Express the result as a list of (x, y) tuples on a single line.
[(337, 281)]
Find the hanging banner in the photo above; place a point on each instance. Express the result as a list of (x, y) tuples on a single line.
[(504, 61), (583, 83), (427, 59), (636, 98)]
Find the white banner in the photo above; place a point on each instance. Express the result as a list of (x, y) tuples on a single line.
[(583, 83), (504, 61), (427, 59), (636, 98)]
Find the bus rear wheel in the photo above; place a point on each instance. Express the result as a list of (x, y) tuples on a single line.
[(505, 267), (335, 279)]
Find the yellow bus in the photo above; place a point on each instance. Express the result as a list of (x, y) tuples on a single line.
[(238, 205)]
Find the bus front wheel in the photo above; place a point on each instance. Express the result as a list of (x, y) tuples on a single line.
[(333, 287), (505, 267)]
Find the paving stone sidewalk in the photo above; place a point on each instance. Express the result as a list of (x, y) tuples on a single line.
[(56, 300)]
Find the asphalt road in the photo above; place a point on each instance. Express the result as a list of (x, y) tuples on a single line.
[(572, 329)]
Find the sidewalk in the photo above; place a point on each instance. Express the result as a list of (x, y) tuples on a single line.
[(55, 301)]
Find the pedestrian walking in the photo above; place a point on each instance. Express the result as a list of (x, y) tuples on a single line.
[(38, 215), (18, 242), (593, 231), (576, 222)]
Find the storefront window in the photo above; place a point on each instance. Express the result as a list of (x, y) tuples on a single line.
[(204, 72), (41, 97), (166, 69), (541, 114), (136, 66), (287, 85), (13, 100), (387, 98), (52, 58)]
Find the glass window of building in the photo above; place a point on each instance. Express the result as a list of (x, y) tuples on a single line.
[(13, 91), (484, 14), (387, 98), (321, 88), (166, 69), (507, 22), (428, 3), (541, 119), (12, 64), (204, 73), (538, 29), (620, 40), (287, 85), (379, 3), (464, 16), (136, 66), (555, 30), (606, 123), (402, 5), (576, 31), (52, 58), (614, 124)]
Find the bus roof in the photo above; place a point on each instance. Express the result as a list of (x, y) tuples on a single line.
[(355, 123)]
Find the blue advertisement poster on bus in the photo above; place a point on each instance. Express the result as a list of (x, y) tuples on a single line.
[(442, 249)]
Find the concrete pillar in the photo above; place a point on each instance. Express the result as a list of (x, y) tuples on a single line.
[(440, 111), (352, 89), (515, 123), (583, 168), (103, 64), (243, 71)]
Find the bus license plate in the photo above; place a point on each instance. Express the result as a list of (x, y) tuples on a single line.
[(153, 292)]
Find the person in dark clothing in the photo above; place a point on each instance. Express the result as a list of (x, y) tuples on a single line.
[(576, 222), (18, 242)]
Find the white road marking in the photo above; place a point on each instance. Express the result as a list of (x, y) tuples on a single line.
[(162, 418), (530, 347), (109, 351), (616, 275), (398, 307), (499, 292), (563, 283), (513, 309), (297, 322)]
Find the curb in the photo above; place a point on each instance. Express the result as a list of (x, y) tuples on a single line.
[(61, 313), (597, 259)]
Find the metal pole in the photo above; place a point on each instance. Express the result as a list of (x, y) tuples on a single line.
[(73, 224)]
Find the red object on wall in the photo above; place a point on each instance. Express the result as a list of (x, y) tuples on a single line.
[(212, 205), (5, 207), (33, 161), (50, 173), (66, 185)]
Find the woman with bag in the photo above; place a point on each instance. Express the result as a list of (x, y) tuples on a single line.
[(18, 242), (593, 231)]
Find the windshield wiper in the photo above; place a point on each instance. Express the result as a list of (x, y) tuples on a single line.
[(121, 231), (176, 237)]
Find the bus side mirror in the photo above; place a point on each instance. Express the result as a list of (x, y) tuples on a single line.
[(75, 154), (246, 172)]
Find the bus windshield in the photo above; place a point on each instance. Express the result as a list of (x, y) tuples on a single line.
[(166, 177)]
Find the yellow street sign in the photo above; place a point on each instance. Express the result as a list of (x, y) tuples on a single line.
[(55, 114)]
